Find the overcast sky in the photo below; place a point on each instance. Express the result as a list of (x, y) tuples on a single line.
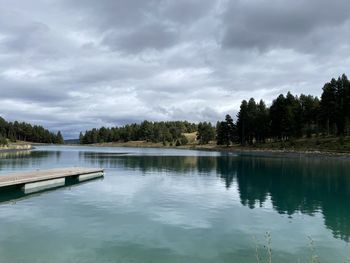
[(71, 65)]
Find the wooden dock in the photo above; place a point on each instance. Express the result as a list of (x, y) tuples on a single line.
[(44, 179)]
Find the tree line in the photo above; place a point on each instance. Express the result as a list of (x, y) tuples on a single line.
[(170, 132), (290, 116), (21, 131)]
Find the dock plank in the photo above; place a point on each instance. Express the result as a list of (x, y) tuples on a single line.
[(43, 175)]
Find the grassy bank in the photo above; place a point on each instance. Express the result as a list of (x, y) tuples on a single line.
[(315, 144)]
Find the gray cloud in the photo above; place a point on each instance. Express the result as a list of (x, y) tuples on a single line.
[(154, 36), (184, 11), (111, 14), (74, 65), (282, 23)]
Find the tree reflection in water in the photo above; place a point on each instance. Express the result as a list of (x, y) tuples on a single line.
[(307, 185)]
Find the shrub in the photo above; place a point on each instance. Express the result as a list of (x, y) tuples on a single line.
[(183, 140), (3, 141)]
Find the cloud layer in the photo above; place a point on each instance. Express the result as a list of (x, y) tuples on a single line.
[(73, 65)]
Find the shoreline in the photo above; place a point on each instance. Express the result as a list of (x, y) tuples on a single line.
[(286, 152), (230, 149), (16, 148), (279, 153)]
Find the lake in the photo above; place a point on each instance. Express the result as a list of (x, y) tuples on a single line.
[(168, 205)]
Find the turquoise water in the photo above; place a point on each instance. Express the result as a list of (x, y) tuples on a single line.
[(159, 205)]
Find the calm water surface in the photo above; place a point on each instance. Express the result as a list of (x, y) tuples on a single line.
[(157, 205)]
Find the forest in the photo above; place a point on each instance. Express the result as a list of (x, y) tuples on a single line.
[(171, 132), (21, 131), (290, 116)]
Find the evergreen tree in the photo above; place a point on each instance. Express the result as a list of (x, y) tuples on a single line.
[(221, 133), (146, 131), (26, 132), (262, 122), (231, 128), (205, 133), (242, 122), (59, 138), (310, 107), (81, 138), (289, 116), (328, 107), (226, 131), (342, 104)]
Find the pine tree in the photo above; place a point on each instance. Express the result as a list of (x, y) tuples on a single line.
[(205, 133), (81, 138), (262, 122), (328, 107), (242, 122), (226, 131), (221, 134), (59, 138)]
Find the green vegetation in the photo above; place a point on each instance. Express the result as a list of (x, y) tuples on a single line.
[(316, 143), (206, 133), (225, 131), (168, 133), (291, 118), (22, 131), (268, 249), (3, 141), (294, 122), (264, 253)]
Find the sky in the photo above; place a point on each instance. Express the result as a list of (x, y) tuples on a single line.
[(71, 65)]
